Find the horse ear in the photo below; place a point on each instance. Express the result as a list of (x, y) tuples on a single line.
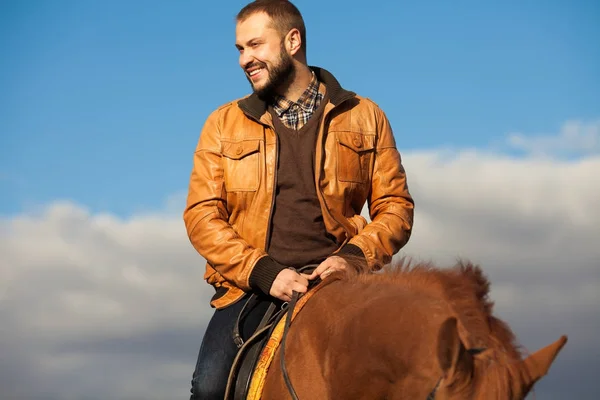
[(454, 360), (538, 364)]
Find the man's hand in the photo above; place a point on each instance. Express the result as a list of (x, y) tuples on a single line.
[(287, 281), (331, 264)]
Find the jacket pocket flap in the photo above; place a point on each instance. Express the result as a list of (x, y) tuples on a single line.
[(358, 142), (238, 150)]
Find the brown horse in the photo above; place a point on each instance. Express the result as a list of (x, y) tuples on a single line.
[(409, 332)]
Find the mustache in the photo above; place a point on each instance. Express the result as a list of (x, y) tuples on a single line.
[(255, 65)]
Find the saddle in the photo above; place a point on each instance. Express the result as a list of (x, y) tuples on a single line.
[(249, 352)]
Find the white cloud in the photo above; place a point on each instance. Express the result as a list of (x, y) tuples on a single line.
[(96, 304), (576, 137), (98, 270), (73, 285), (474, 197)]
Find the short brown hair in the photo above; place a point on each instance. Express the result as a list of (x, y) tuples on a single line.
[(284, 14)]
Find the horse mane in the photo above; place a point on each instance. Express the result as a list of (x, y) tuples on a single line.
[(463, 287)]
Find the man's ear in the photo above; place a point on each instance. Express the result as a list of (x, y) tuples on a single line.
[(293, 41)]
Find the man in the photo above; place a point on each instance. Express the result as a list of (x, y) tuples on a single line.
[(279, 180)]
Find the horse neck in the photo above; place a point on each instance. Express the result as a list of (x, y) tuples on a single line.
[(388, 332)]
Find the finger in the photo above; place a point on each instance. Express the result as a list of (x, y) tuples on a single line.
[(321, 274), (307, 277), (298, 287), (321, 268), (338, 262), (327, 272), (285, 297), (302, 279)]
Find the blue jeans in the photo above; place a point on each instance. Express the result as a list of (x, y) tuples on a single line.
[(218, 350)]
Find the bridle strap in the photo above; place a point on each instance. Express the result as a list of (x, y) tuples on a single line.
[(431, 395), (237, 337)]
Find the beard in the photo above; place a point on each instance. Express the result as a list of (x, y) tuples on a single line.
[(279, 74)]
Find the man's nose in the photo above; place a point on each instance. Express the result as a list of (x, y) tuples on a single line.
[(246, 59)]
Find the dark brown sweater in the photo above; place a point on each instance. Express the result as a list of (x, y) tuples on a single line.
[(298, 235)]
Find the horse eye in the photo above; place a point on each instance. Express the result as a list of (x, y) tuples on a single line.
[(476, 350)]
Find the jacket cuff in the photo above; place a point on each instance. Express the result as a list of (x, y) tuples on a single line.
[(352, 250), (354, 255), (264, 273)]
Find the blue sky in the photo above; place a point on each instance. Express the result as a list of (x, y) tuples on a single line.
[(102, 102)]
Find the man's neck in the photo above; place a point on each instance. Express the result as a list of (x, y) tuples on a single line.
[(294, 89)]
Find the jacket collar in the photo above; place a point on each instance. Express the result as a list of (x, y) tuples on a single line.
[(254, 107)]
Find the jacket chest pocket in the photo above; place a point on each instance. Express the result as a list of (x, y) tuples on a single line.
[(355, 153), (241, 165)]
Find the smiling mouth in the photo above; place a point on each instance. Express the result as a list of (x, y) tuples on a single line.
[(255, 72)]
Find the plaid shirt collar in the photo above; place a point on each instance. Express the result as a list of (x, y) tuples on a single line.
[(295, 114)]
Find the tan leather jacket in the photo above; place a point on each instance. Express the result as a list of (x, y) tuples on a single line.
[(231, 194)]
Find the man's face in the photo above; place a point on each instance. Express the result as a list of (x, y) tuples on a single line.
[(263, 56)]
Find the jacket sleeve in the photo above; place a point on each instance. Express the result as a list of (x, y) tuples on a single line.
[(206, 216), (391, 206)]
